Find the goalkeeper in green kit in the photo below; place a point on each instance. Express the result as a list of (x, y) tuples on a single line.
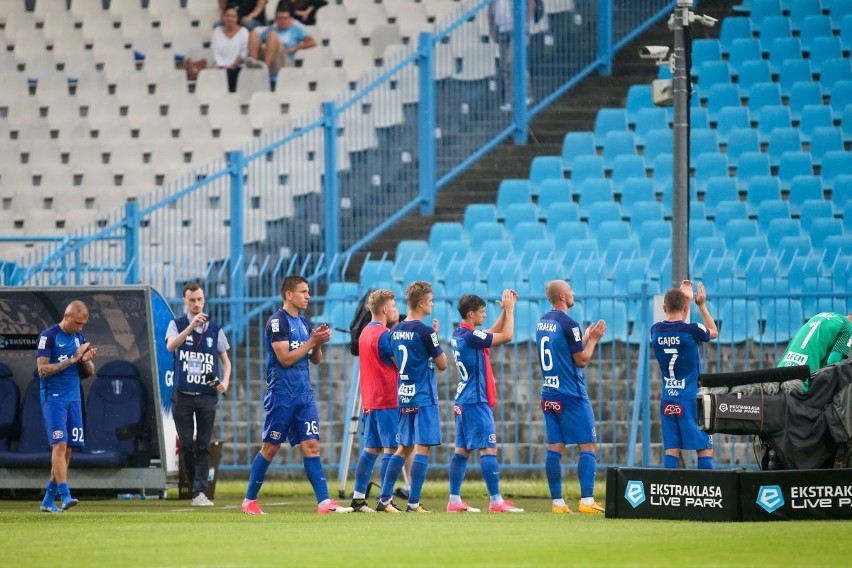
[(822, 341)]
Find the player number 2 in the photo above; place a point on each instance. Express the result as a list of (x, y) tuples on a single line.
[(404, 351), (544, 354)]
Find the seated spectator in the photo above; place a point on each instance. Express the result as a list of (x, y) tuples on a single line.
[(277, 45), (304, 11), (251, 13), (229, 45)]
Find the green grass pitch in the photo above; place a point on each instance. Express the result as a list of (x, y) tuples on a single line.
[(170, 533)]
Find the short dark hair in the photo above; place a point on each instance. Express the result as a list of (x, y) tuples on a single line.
[(469, 303), (190, 287), (289, 283), (675, 300)]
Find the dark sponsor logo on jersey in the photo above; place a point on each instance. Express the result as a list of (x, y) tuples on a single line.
[(368, 410), (673, 410), (551, 406), (457, 409), (412, 410)]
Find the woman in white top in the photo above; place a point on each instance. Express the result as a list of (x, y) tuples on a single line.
[(229, 46)]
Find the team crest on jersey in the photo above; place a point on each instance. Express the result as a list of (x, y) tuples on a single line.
[(275, 324), (492, 438), (117, 387), (275, 435), (57, 435), (42, 342), (577, 336)]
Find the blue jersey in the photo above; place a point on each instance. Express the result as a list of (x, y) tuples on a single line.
[(468, 345), (414, 345), (294, 380), (558, 337), (676, 347), (58, 346)]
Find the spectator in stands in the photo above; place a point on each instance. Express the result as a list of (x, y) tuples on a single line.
[(229, 46), (500, 25), (63, 357), (824, 340), (378, 376), (676, 345), (289, 403), (277, 45), (304, 11), (476, 395), (250, 13), (419, 420), (202, 371), (562, 354)]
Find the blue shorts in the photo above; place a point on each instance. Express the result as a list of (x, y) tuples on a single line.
[(64, 422), (295, 416), (380, 428), (475, 426), (680, 427), (420, 425), (569, 420)]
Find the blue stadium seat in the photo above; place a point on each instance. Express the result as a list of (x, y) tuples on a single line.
[(649, 120), (802, 94), (846, 31), (701, 228), (407, 252), (821, 300), (703, 50), (709, 166), (800, 10), (559, 212), (478, 213), (521, 213), (771, 210), (821, 228), (656, 143), (494, 250), (485, 231), (603, 211), (835, 164), (575, 144), (719, 189), (783, 320), (752, 164), (637, 190), (748, 248), (825, 139), (653, 229), (659, 251), (643, 211), (609, 119), (847, 215), (743, 50), (772, 117), (761, 10), (791, 247), (760, 190), (832, 71), (617, 143), (841, 98), (542, 272), (534, 250), (702, 141), (10, 399), (526, 316), (416, 270), (717, 268), (784, 139), (523, 232), (543, 168), (772, 28), (846, 124), (813, 28), (618, 249), (783, 55), (737, 321), (663, 170), (720, 96), (801, 267), (33, 449), (837, 246), (376, 274), (737, 228), (553, 191), (584, 269), (793, 165), (837, 9), (712, 73), (502, 275), (595, 191), (448, 318), (705, 248), (512, 191), (629, 270), (449, 251), (734, 28), (729, 118), (698, 117), (580, 249), (627, 166), (564, 233), (803, 188), (841, 194), (444, 231), (741, 140), (585, 168), (608, 230), (813, 117), (697, 210), (639, 96)]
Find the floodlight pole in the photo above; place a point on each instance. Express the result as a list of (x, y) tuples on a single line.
[(679, 24)]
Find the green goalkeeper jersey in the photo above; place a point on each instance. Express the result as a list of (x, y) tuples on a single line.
[(822, 341)]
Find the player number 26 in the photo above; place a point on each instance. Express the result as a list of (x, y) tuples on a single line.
[(311, 428)]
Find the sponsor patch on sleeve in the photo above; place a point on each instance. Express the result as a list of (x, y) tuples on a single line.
[(577, 336), (480, 334), (42, 342), (435, 341), (275, 325)]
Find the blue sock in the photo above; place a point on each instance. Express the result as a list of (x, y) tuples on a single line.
[(64, 491), (490, 474), (395, 464), (586, 466), (670, 462), (383, 467), (458, 466), (257, 475), (418, 477), (316, 475), (553, 469), (705, 462), (50, 492), (364, 470)]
